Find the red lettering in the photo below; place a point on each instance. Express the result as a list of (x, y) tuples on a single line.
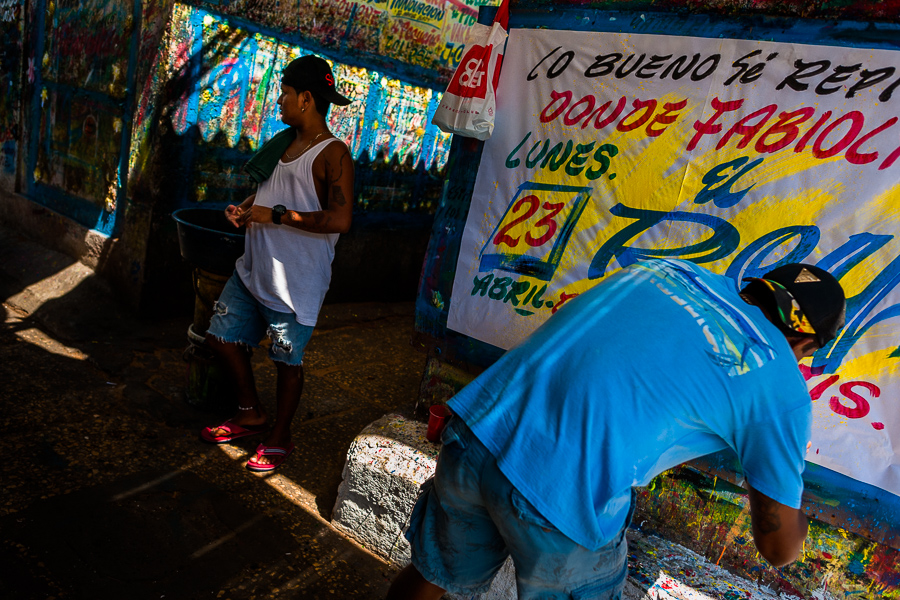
[(820, 388), (563, 298), (854, 157), (554, 95), (787, 126), (648, 106), (620, 106), (570, 120), (710, 127), (748, 131), (666, 117), (858, 121), (801, 145), (890, 159), (860, 406), (810, 372)]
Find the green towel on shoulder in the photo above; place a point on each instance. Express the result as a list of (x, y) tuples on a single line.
[(261, 165)]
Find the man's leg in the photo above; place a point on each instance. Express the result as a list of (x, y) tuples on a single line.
[(410, 585), (287, 394), (289, 340), (235, 327), (237, 362)]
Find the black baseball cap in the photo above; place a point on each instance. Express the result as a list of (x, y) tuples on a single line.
[(807, 300), (311, 73)]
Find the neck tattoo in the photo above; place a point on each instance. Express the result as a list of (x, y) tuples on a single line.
[(299, 154)]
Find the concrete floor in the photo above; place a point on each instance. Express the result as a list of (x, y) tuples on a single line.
[(107, 492)]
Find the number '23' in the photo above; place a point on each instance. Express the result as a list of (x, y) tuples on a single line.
[(531, 205)]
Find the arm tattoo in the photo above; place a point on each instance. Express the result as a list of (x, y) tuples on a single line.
[(337, 195), (769, 521)]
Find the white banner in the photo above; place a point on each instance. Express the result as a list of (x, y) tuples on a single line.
[(738, 155)]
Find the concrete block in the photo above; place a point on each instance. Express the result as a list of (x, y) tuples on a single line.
[(386, 464)]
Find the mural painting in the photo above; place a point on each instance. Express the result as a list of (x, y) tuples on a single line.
[(226, 108), (11, 38), (424, 34), (84, 73)]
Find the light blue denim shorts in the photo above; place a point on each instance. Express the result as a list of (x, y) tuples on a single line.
[(239, 318), (469, 518)]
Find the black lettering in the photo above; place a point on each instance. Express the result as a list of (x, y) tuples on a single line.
[(649, 70), (841, 73), (741, 66), (888, 91), (801, 66), (869, 78), (532, 75), (605, 63), (620, 72), (568, 56), (676, 64), (714, 64)]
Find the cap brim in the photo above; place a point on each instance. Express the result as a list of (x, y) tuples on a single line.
[(336, 98), (789, 311)]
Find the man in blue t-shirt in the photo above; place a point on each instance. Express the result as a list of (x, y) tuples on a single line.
[(661, 363)]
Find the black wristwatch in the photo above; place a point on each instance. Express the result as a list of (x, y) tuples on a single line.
[(277, 212)]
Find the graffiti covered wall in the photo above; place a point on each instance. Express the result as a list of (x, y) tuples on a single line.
[(425, 37), (12, 18), (227, 81)]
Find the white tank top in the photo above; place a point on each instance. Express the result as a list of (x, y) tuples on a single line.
[(286, 269)]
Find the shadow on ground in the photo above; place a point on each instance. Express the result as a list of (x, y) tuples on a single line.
[(109, 494)]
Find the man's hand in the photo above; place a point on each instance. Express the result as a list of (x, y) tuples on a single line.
[(238, 215), (234, 214), (778, 530)]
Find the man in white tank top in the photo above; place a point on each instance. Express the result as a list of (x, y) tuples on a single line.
[(293, 222)]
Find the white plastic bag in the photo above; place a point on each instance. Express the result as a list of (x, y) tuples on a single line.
[(467, 107)]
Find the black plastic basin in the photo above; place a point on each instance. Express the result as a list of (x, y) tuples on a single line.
[(207, 240)]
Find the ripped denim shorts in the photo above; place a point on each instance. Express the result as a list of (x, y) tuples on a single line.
[(239, 318)]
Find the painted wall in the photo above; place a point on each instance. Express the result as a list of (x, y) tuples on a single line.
[(209, 102), (419, 40), (851, 550), (121, 111), (12, 19)]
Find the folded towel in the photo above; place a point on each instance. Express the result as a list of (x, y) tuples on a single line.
[(261, 164)]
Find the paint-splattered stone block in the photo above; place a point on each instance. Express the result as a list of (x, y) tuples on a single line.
[(386, 464)]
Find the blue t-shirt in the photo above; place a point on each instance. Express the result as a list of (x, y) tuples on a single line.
[(659, 364)]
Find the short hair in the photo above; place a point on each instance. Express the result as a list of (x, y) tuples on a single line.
[(322, 105)]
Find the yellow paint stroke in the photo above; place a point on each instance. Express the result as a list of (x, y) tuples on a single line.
[(873, 367)]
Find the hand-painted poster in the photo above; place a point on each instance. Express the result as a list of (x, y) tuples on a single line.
[(738, 155)]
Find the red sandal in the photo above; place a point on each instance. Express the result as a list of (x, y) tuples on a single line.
[(276, 454), (234, 430)]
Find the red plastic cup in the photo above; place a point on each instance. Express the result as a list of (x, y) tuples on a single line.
[(438, 415)]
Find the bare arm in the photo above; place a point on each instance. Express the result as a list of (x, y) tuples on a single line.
[(337, 187), (778, 530)]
